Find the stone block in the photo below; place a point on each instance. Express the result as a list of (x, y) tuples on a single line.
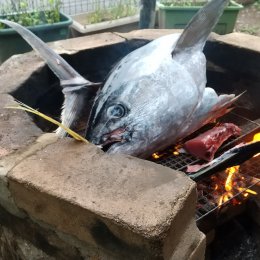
[(17, 129), (124, 206)]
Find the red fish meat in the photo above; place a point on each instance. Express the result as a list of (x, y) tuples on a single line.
[(205, 145)]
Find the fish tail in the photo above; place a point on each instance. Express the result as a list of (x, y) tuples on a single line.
[(198, 29)]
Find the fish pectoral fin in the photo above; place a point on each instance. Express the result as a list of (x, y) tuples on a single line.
[(77, 90), (77, 104), (55, 62), (223, 106), (198, 29)]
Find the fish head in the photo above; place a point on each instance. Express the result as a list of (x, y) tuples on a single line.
[(118, 123)]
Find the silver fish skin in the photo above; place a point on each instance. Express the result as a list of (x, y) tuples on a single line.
[(156, 94)]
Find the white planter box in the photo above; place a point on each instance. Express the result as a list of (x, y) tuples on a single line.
[(123, 24)]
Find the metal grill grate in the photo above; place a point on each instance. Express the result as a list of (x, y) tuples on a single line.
[(250, 171), (181, 161), (249, 176)]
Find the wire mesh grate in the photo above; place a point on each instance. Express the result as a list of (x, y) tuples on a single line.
[(208, 198), (181, 161)]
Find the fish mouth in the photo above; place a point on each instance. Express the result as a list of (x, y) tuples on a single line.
[(115, 137), (109, 143)]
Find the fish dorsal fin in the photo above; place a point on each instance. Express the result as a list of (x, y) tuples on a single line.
[(198, 29)]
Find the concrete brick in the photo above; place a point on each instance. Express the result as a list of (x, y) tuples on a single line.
[(117, 203), (17, 129), (241, 40)]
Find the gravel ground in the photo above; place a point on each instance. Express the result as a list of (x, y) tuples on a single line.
[(249, 19)]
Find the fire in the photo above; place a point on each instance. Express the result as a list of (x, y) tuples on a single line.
[(230, 171), (231, 186), (256, 138), (174, 151), (157, 155)]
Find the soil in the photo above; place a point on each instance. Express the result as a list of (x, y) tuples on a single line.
[(249, 19)]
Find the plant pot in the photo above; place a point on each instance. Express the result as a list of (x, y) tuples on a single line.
[(12, 43), (177, 17), (79, 26)]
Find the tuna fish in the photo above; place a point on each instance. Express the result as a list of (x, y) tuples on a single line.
[(154, 96)]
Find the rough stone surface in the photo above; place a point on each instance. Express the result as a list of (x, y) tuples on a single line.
[(199, 252), (118, 203), (14, 247), (148, 34), (22, 238), (87, 42), (241, 40), (236, 52), (17, 130)]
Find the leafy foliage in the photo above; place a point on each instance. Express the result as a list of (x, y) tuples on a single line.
[(123, 9), (184, 2), (24, 13)]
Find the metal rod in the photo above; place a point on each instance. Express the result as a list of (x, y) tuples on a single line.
[(234, 156)]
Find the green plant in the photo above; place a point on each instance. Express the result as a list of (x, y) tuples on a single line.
[(253, 30), (183, 2), (257, 4), (123, 9), (26, 13)]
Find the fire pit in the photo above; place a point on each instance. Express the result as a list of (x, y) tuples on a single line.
[(217, 202), (232, 186)]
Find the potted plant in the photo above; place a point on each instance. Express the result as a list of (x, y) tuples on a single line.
[(48, 23), (177, 13), (112, 17)]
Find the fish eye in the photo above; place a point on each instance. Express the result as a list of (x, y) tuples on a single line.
[(116, 111)]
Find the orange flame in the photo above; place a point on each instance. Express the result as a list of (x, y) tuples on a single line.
[(229, 181), (157, 155), (230, 185), (256, 138)]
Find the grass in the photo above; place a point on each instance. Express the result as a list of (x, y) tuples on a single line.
[(122, 9)]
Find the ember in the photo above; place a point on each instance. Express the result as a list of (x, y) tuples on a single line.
[(235, 183), (171, 151), (229, 186), (256, 138)]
